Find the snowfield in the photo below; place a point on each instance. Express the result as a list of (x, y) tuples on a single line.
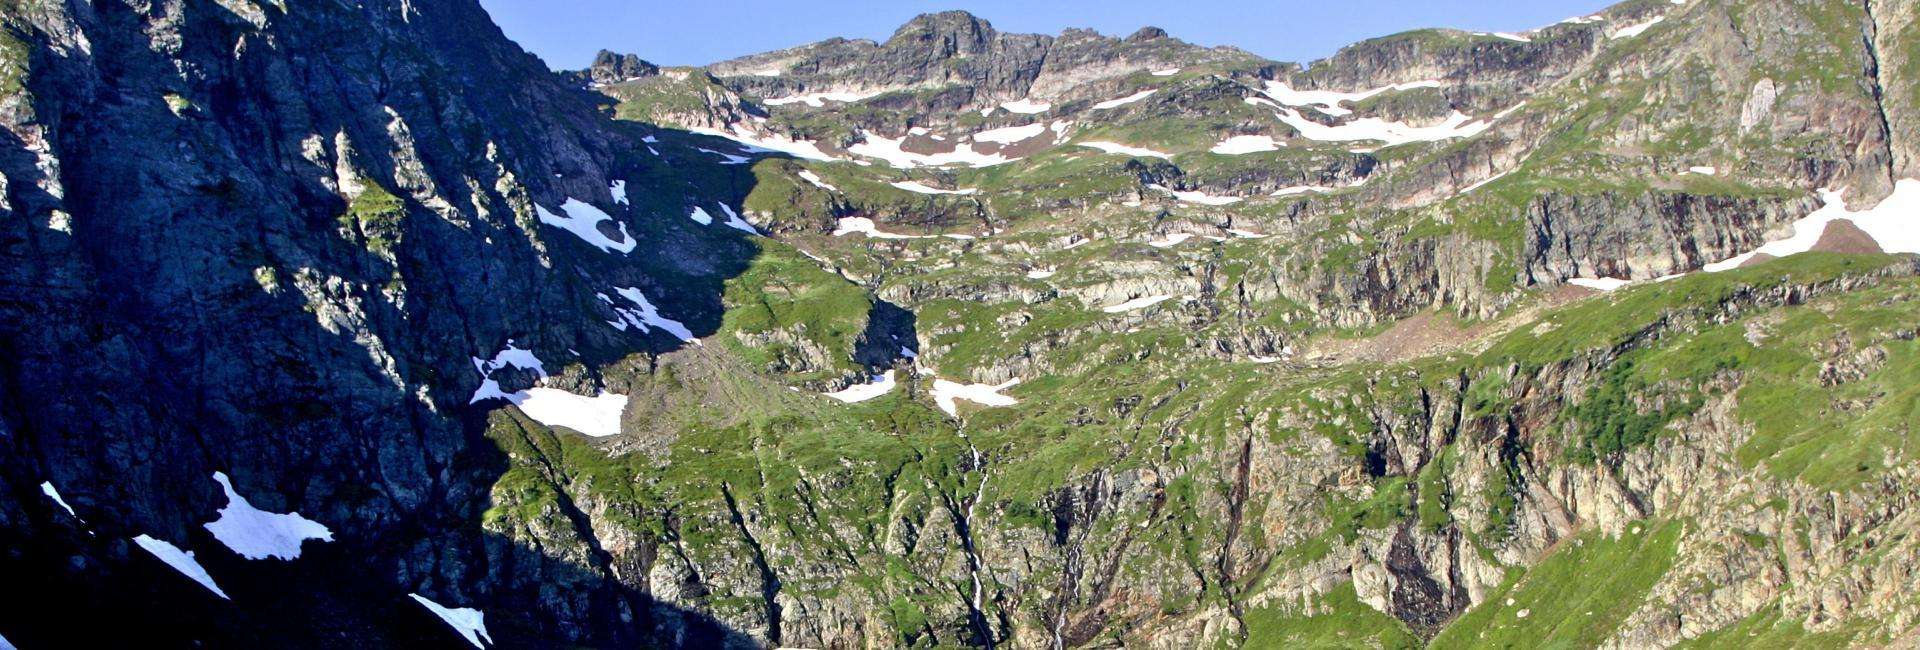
[(1135, 304), (888, 149), (645, 316), (1895, 224), (1457, 125), (47, 489), (181, 561), (583, 220), (1631, 31), (1245, 144), (1115, 147), (1330, 101), (947, 393), (1026, 107), (257, 534), (1198, 197), (917, 188), (818, 100), (880, 385), (1123, 101), (759, 143), (1602, 284), (597, 417), (810, 177), (1010, 134), (864, 226), (469, 622)]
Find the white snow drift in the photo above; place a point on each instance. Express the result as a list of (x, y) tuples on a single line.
[(644, 316), (810, 177), (1198, 197), (181, 561), (598, 417), (1026, 107), (583, 220), (880, 385), (1135, 304), (1123, 101), (1245, 144), (1457, 125), (1115, 147), (257, 534), (1330, 101), (818, 100), (918, 188), (864, 226), (469, 622), (1894, 224), (945, 394)]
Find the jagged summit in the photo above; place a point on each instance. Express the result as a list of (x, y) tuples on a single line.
[(956, 32), (610, 67)]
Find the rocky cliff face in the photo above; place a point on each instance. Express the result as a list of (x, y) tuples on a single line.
[(963, 338)]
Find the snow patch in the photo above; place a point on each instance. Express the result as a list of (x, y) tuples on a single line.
[(47, 489), (1457, 125), (1026, 107), (888, 149), (1602, 284), (1041, 274), (757, 143), (1171, 240), (1123, 101), (583, 220), (1135, 304), (619, 191), (1201, 198), (947, 393), (257, 534), (1245, 144), (469, 622), (1010, 134), (1704, 171), (1894, 224), (700, 216), (598, 417), (645, 316), (810, 177), (818, 100), (735, 222), (1302, 189), (1637, 29), (511, 356), (181, 561), (1167, 72), (917, 188), (880, 385), (1115, 147), (1330, 101), (864, 226), (1485, 181)]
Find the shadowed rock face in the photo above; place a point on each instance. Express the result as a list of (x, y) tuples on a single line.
[(1332, 390), (269, 243)]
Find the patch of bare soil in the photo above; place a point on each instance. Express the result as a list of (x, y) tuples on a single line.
[(1431, 334)]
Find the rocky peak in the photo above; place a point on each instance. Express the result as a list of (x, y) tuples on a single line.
[(948, 33), (1148, 33), (610, 67)]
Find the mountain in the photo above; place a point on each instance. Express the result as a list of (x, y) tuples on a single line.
[(351, 324)]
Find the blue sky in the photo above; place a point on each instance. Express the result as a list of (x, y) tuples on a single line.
[(693, 32)]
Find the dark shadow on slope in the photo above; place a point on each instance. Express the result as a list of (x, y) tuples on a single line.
[(210, 311)]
